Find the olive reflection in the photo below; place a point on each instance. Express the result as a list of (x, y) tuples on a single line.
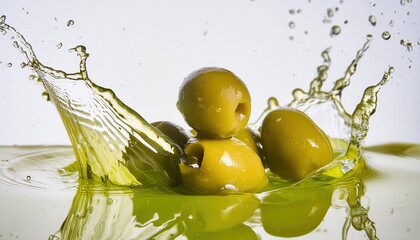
[(100, 212), (294, 212)]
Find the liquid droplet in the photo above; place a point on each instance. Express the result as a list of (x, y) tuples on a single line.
[(409, 46), (70, 23), (59, 45), (32, 77), (372, 20), (28, 178), (46, 96), (9, 65), (330, 13), (403, 43), (292, 24), (391, 23), (335, 30), (386, 35)]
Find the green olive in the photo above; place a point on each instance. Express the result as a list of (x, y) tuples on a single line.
[(174, 132), (293, 144), (249, 138), (222, 165), (214, 102)]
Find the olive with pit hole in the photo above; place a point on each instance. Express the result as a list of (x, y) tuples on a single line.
[(214, 102), (222, 165)]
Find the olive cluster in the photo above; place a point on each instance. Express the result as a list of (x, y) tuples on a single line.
[(222, 154), (217, 105)]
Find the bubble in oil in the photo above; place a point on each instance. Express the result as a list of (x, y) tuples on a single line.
[(372, 20), (335, 30), (386, 35)]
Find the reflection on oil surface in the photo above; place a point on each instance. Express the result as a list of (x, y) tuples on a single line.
[(109, 212)]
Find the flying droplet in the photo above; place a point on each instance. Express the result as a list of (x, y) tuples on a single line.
[(23, 65), (298, 11), (70, 23), (372, 20), (46, 96), (326, 20), (330, 13), (386, 35), (409, 46), (391, 23), (31, 77), (28, 178), (292, 11), (402, 2), (59, 45), (292, 24), (9, 65), (335, 30)]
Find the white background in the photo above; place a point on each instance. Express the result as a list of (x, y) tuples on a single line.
[(143, 50)]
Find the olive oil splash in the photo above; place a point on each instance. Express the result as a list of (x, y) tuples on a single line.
[(112, 143)]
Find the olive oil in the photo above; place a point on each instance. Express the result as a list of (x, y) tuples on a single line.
[(124, 171)]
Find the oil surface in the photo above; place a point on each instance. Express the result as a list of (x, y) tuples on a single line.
[(82, 208)]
